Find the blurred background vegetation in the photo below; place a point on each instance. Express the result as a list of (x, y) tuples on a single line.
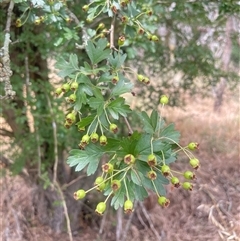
[(197, 55)]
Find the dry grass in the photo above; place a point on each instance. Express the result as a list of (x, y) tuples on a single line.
[(210, 212)]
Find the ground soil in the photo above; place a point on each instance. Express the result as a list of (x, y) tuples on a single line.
[(211, 212)]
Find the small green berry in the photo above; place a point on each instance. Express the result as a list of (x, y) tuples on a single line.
[(80, 194), (140, 31), (72, 98), (85, 139), (103, 140), (152, 160), (18, 23), (165, 170), (140, 77), (67, 125), (194, 162), (58, 91), (65, 87), (115, 79), (129, 159), (101, 26), (187, 186), (121, 40), (155, 38), (85, 8), (128, 206), (193, 146), (94, 137), (189, 175), (164, 100), (99, 182), (101, 207), (149, 12), (149, 36), (152, 175), (115, 185), (107, 167), (163, 201), (175, 181), (124, 19), (113, 128), (81, 128), (71, 118), (74, 86), (37, 21)]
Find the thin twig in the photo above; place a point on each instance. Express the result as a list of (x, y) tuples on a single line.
[(65, 211), (119, 224), (55, 141), (73, 181), (112, 34), (149, 221), (130, 130)]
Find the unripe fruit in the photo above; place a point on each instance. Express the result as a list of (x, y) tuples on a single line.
[(65, 87), (152, 160), (67, 125), (129, 159), (115, 79), (71, 118), (101, 26), (68, 20), (146, 80), (100, 183), (85, 139), (194, 162), (81, 128), (51, 2), (80, 194), (42, 18), (113, 128), (124, 19), (149, 37), (155, 38), (74, 86), (128, 206), (85, 8), (189, 175), (114, 9), (89, 20), (72, 98), (94, 137), (108, 168), (82, 145), (163, 201), (165, 170), (18, 23), (140, 31), (152, 175), (115, 185), (140, 77), (101, 207), (149, 12), (193, 146), (103, 140), (175, 181), (187, 186), (37, 21), (121, 40), (58, 91), (164, 100)]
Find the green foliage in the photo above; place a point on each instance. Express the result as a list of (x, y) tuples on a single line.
[(135, 38)]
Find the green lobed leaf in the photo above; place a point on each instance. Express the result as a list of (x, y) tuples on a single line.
[(118, 107), (98, 53), (170, 133), (97, 104), (122, 86)]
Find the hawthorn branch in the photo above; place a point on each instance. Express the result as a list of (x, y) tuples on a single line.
[(5, 70)]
